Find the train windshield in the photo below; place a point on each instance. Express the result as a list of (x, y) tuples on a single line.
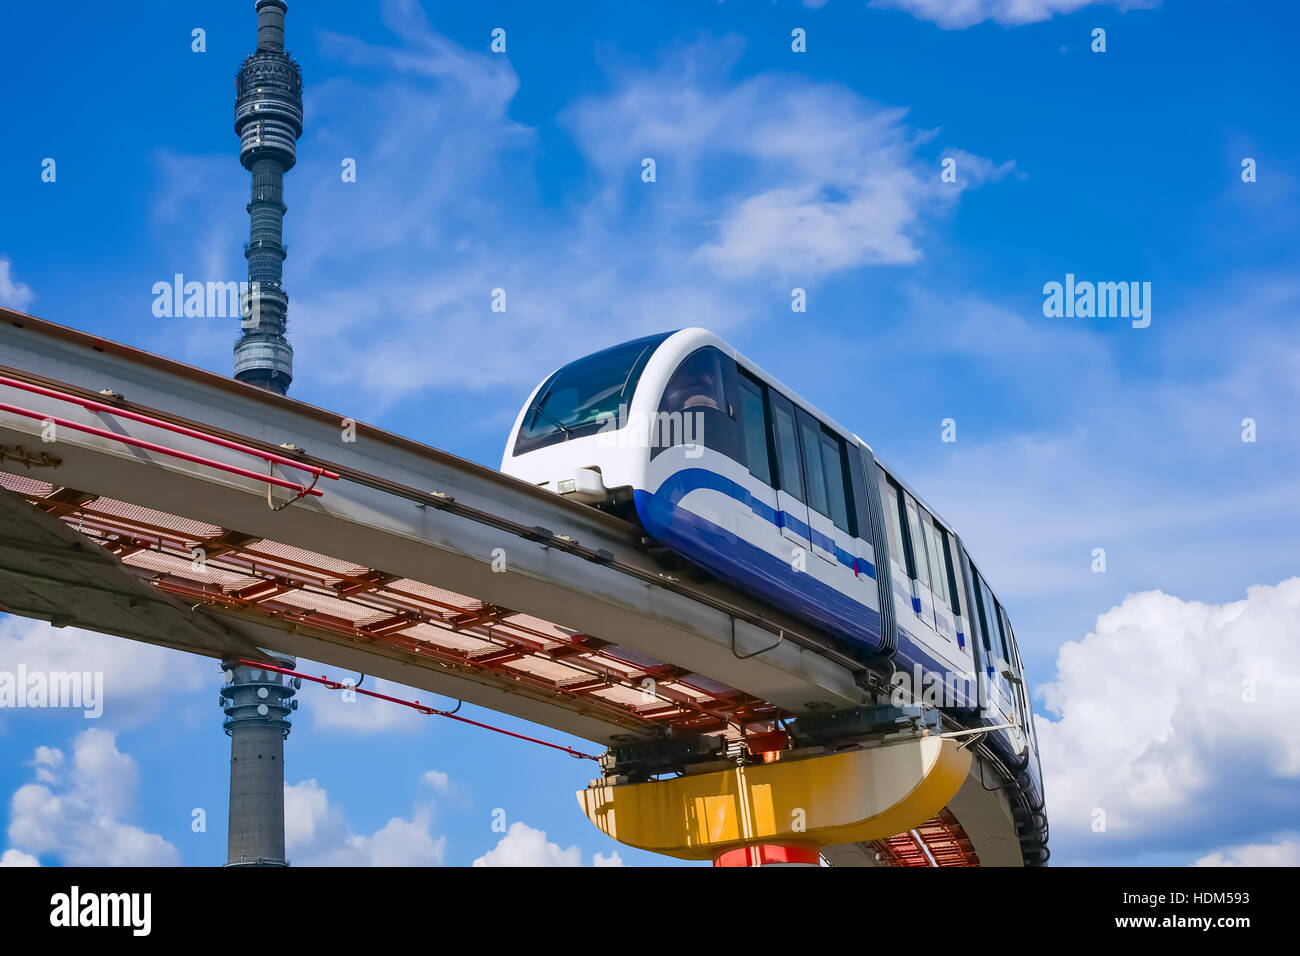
[(583, 396)]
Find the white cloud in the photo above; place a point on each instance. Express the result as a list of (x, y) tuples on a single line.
[(75, 811), (436, 780), (18, 858), (13, 294), (1282, 853), (523, 845), (134, 672), (1175, 720), (818, 180), (317, 834), (959, 14), (797, 233)]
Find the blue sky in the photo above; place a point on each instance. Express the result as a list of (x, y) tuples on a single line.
[(775, 170)]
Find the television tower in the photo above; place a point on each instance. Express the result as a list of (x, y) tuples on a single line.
[(268, 119)]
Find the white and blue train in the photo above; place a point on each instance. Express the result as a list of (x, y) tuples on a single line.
[(735, 473)]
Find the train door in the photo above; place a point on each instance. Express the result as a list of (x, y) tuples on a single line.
[(871, 564), (944, 621), (1015, 677), (790, 495), (823, 471), (900, 571), (1031, 729), (860, 541), (1000, 697), (696, 413), (957, 589), (757, 511), (922, 599), (967, 689)]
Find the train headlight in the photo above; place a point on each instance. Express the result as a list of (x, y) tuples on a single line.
[(586, 486)]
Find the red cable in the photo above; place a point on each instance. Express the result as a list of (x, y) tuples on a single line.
[(414, 705), (150, 446), (159, 423)]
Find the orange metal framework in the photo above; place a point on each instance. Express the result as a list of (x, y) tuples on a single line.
[(289, 587), (940, 841)]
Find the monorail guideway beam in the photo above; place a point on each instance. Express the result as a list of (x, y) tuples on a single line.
[(395, 508)]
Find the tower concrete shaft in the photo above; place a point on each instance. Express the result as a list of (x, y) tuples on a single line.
[(268, 119), (257, 705)]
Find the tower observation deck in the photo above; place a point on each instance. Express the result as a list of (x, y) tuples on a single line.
[(268, 119), (257, 705)]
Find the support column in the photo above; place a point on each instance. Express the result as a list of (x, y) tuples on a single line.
[(770, 854)]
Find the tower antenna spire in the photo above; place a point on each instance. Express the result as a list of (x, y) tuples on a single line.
[(268, 119)]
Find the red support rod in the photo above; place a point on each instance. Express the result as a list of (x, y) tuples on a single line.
[(150, 446), (159, 423), (415, 705)]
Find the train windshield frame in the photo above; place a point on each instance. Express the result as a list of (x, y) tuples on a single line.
[(581, 397)]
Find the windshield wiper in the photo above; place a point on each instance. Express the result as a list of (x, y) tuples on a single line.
[(537, 407)]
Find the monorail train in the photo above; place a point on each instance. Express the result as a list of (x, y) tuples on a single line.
[(732, 471)]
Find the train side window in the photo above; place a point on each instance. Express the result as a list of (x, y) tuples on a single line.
[(696, 408), (786, 439), (918, 544), (697, 384), (826, 472), (979, 607), (1002, 634), (939, 578), (893, 529), (813, 470), (835, 466), (1009, 639), (753, 419), (954, 572), (994, 642)]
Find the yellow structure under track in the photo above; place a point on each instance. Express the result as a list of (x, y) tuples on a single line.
[(854, 795)]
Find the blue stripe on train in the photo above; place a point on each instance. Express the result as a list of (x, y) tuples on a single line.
[(912, 652), (678, 485), (749, 567)]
